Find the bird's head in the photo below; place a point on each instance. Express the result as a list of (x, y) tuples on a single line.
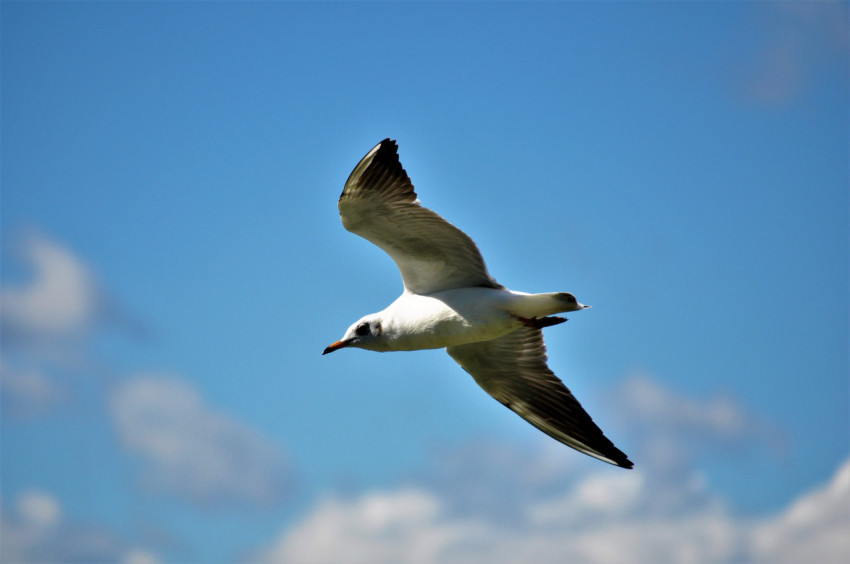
[(365, 334)]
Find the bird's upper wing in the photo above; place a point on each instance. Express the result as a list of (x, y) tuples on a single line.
[(513, 370), (379, 204)]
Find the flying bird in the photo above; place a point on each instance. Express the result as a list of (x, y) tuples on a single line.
[(450, 300)]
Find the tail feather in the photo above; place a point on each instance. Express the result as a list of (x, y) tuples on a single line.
[(543, 305)]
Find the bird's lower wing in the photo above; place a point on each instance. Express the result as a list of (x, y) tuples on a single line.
[(513, 370)]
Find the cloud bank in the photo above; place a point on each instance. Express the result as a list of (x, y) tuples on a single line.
[(600, 518), (541, 505), (603, 519)]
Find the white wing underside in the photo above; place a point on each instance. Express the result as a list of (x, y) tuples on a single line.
[(379, 204), (513, 370)]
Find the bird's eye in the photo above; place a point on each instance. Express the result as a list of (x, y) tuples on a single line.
[(362, 329)]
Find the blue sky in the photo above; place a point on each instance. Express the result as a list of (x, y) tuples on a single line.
[(173, 266)]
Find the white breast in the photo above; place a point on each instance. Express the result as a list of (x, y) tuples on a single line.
[(448, 318)]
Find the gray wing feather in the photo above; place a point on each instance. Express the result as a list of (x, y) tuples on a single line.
[(513, 370), (379, 204)]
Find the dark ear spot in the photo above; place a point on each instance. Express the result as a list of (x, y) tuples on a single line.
[(378, 328)]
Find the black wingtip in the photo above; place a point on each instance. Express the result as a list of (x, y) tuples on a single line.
[(380, 171), (619, 458), (387, 152)]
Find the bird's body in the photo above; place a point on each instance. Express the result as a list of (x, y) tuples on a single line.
[(461, 316), (451, 301)]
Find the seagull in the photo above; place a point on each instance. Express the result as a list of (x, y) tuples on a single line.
[(450, 301)]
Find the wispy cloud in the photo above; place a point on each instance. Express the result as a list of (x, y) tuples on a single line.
[(795, 42), (591, 514), (672, 429), (191, 450), (27, 392), (37, 531)]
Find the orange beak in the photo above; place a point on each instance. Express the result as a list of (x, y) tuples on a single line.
[(336, 346)]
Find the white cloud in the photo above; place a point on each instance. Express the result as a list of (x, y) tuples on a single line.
[(190, 449), (139, 556), (605, 494), (39, 509), (816, 528), (60, 301), (400, 526), (39, 532)]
